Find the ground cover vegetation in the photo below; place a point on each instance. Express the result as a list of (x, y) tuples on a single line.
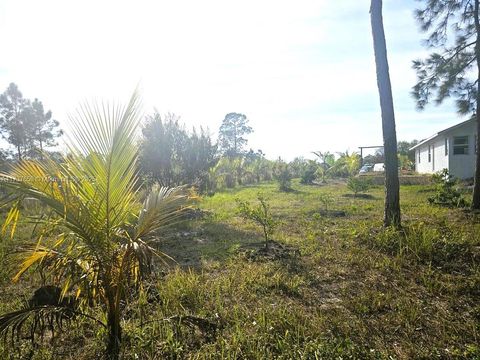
[(333, 287)]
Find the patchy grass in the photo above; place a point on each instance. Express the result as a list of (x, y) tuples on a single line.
[(348, 288)]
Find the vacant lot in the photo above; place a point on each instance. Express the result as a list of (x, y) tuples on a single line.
[(334, 284)]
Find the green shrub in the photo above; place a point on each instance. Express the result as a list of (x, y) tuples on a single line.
[(326, 200), (260, 214), (447, 193), (359, 185), (283, 176), (309, 174)]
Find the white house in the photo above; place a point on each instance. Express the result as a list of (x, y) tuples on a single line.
[(453, 149)]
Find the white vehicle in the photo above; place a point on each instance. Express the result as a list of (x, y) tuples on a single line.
[(366, 169), (380, 167)]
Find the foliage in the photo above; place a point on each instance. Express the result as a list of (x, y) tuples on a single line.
[(283, 175), (359, 184), (98, 241), (346, 165), (241, 170), (453, 69), (224, 174), (310, 172), (326, 200), (327, 160), (405, 163), (232, 133), (25, 124), (41, 129), (260, 214), (261, 169), (298, 166), (403, 148), (450, 25), (377, 157), (170, 155), (447, 193), (352, 290)]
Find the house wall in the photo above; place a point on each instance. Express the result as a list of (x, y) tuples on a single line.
[(460, 166), (422, 165), (463, 166), (438, 160)]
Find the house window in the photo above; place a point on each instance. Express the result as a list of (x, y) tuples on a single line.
[(446, 146), (460, 145), (419, 157), (429, 153)]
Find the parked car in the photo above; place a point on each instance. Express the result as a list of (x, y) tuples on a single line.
[(380, 167), (366, 169)]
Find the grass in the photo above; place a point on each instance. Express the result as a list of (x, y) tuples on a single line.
[(349, 288)]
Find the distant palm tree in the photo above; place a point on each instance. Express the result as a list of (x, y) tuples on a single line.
[(327, 159), (98, 242), (346, 165)]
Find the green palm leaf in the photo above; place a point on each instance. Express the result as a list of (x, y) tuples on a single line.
[(105, 248)]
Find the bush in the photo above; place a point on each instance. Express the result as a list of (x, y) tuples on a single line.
[(359, 185), (309, 174), (447, 193), (326, 200), (260, 214), (283, 176)]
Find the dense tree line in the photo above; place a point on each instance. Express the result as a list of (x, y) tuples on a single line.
[(171, 155)]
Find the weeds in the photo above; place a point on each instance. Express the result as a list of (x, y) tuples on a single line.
[(261, 214), (447, 193), (357, 184), (326, 200), (354, 291)]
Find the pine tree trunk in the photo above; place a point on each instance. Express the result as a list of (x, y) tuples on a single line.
[(19, 153), (476, 187), (392, 187)]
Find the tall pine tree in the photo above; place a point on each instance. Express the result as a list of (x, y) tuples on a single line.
[(232, 134), (25, 124), (42, 129), (392, 187), (453, 68), (13, 117)]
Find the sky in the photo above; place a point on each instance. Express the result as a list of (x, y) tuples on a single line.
[(302, 71)]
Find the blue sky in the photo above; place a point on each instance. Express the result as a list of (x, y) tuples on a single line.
[(303, 72)]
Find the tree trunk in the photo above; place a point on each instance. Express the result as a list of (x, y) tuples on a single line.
[(19, 153), (41, 146), (392, 187), (476, 187), (114, 335)]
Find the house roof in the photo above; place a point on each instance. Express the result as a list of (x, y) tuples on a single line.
[(442, 132)]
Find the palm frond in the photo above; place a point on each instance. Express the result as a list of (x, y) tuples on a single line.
[(29, 321), (162, 207), (104, 159)]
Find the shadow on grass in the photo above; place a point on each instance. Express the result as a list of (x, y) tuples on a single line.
[(291, 191), (209, 241), (328, 213), (360, 196)]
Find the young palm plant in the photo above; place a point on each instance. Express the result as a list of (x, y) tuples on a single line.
[(98, 242)]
